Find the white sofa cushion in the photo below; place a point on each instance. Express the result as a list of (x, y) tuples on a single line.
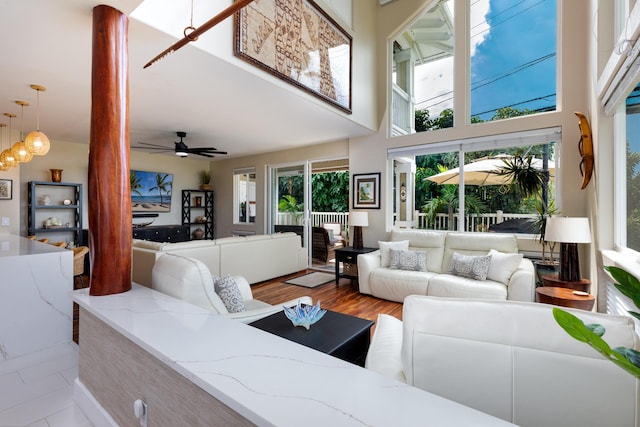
[(384, 351), (477, 244), (396, 285), (448, 285), (502, 266), (187, 279), (431, 242), (511, 360), (385, 250)]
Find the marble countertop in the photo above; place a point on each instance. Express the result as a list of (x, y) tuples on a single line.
[(267, 379), (12, 245)]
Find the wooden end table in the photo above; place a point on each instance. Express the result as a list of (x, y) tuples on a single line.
[(349, 257), (565, 297), (552, 280)]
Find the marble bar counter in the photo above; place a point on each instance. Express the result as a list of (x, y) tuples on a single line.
[(192, 367), (35, 307)]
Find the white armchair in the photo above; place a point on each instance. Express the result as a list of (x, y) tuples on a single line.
[(190, 280)]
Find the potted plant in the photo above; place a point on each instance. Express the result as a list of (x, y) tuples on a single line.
[(548, 265), (533, 182), (290, 204), (205, 180)]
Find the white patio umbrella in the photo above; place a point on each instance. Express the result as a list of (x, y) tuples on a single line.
[(485, 171)]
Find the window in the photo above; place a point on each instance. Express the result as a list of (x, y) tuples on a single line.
[(489, 201), (509, 70), (512, 63), (423, 72), (244, 196), (632, 163)]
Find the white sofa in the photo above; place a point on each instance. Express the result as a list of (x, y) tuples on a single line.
[(396, 284), (190, 280), (508, 359), (256, 258)]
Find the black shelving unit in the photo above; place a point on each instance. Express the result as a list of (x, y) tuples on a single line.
[(191, 210), (71, 213)]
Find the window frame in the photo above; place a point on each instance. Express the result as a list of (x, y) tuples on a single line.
[(249, 174)]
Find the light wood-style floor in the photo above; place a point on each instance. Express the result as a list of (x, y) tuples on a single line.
[(342, 298)]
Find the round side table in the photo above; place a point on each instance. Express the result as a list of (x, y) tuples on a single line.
[(554, 281), (565, 297)]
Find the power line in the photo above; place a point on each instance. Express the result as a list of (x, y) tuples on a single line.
[(517, 103), (484, 82)]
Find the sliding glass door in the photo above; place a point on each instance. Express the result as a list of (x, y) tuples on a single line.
[(290, 201)]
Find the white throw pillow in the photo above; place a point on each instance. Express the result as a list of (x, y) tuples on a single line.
[(502, 266), (408, 260), (229, 293), (472, 267), (385, 247)]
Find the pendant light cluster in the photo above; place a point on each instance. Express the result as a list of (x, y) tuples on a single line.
[(36, 143)]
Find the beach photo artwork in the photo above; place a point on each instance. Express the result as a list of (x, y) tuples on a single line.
[(151, 191)]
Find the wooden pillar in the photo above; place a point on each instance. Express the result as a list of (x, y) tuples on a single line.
[(109, 190)]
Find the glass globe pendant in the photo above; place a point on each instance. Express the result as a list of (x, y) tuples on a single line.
[(20, 151), (37, 142), (6, 157)]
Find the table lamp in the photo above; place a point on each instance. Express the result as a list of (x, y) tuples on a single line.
[(358, 220), (568, 232)]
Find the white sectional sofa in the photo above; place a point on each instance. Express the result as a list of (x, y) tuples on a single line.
[(256, 258), (508, 359), (514, 283)]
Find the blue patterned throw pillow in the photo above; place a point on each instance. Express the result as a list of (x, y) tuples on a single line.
[(408, 260), (229, 293), (472, 267)]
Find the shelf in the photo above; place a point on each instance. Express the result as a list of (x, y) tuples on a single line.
[(56, 206)]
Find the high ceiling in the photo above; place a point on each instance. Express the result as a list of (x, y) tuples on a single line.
[(217, 103)]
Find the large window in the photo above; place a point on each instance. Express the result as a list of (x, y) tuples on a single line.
[(632, 160), (512, 58), (244, 196), (509, 69), (501, 184)]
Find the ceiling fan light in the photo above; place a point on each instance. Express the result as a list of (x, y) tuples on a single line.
[(37, 143), (21, 153), (180, 153)]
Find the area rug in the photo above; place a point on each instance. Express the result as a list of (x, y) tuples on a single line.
[(311, 280)]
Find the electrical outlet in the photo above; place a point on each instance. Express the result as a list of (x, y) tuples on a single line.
[(5, 221)]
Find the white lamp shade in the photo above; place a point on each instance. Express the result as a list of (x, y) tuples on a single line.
[(359, 219), (567, 230)]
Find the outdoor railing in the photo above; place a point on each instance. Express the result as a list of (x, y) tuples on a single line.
[(473, 222)]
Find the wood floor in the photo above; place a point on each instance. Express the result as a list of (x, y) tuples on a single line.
[(342, 298)]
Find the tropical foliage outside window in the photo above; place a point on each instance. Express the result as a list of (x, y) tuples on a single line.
[(329, 190), (440, 202), (633, 169)]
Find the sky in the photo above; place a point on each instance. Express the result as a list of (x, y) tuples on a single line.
[(512, 47)]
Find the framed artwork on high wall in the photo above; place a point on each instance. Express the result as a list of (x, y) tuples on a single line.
[(366, 191), (296, 41), (6, 189)]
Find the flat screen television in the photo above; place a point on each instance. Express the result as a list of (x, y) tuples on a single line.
[(151, 191)]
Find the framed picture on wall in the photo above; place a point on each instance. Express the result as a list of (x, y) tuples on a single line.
[(366, 191), (6, 189)]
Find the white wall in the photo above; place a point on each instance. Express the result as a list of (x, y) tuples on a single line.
[(73, 159)]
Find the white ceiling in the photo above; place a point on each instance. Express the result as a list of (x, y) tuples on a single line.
[(48, 42)]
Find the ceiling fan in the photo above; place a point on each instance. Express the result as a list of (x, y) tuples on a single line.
[(181, 149)]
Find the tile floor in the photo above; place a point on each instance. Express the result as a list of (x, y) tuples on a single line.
[(36, 390)]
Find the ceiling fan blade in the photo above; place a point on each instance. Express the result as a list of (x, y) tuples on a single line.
[(152, 145), (201, 154), (206, 150)]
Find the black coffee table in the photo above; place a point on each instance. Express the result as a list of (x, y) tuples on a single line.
[(340, 335)]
